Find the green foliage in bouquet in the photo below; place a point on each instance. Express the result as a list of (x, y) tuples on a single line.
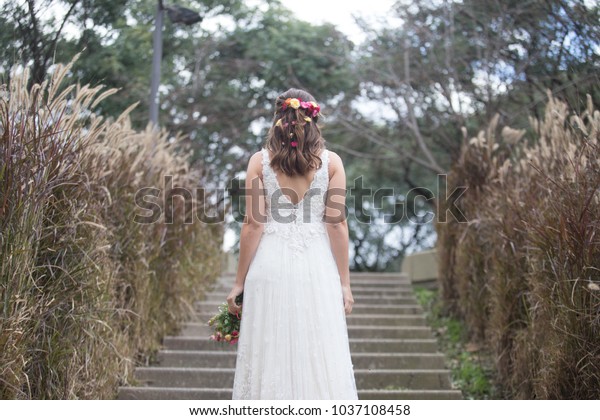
[(225, 325)]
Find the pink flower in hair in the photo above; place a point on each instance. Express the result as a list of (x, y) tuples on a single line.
[(312, 107), (315, 109)]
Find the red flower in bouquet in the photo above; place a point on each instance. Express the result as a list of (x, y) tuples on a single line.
[(226, 326)]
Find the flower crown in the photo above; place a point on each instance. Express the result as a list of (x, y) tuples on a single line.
[(312, 110), (312, 107)]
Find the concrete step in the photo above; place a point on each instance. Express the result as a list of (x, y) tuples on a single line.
[(357, 308), (370, 296), (407, 394), (358, 281), (201, 318), (393, 351), (221, 359), (393, 345), (385, 300), (383, 283), (223, 377), (389, 299), (387, 331), (354, 331), (384, 319), (157, 393), (357, 345), (353, 275), (401, 287)]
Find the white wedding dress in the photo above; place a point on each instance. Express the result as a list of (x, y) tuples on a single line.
[(293, 336)]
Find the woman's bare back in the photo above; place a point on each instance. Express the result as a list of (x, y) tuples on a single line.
[(292, 186)]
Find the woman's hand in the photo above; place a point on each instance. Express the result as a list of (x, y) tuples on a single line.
[(348, 299), (234, 308)]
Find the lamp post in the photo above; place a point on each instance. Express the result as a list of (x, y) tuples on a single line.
[(177, 14)]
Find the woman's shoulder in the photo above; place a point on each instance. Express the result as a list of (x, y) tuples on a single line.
[(255, 163), (333, 156), (334, 161), (257, 155)]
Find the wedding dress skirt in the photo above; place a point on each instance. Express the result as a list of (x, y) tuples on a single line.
[(293, 334)]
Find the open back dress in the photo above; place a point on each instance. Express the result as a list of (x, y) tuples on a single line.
[(293, 335)]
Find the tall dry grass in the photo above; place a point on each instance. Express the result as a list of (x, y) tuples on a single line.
[(524, 272), (86, 292)]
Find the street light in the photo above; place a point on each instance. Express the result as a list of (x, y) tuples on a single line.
[(177, 14)]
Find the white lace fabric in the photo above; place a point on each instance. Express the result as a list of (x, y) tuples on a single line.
[(293, 334), (299, 223)]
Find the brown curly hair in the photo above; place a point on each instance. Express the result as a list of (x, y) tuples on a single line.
[(294, 127)]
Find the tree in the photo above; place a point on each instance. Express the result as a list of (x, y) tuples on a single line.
[(445, 70), (115, 38), (33, 31), (452, 65), (225, 100)]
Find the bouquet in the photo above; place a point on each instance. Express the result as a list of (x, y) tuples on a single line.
[(226, 326)]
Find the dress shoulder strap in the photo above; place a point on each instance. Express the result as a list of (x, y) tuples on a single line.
[(325, 158), (269, 180), (265, 156), (323, 171), (322, 176)]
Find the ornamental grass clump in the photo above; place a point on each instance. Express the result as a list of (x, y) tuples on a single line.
[(524, 271), (86, 292)]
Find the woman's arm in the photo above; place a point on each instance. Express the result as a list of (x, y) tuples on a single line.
[(337, 226), (252, 228)]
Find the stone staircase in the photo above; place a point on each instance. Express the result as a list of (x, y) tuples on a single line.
[(393, 350)]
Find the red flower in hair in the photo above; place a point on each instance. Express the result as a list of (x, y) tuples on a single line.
[(312, 107)]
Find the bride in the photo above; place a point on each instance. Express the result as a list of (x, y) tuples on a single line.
[(293, 265)]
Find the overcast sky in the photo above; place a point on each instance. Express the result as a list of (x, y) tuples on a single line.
[(339, 12)]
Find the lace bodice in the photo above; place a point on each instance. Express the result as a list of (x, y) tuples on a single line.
[(297, 222)]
